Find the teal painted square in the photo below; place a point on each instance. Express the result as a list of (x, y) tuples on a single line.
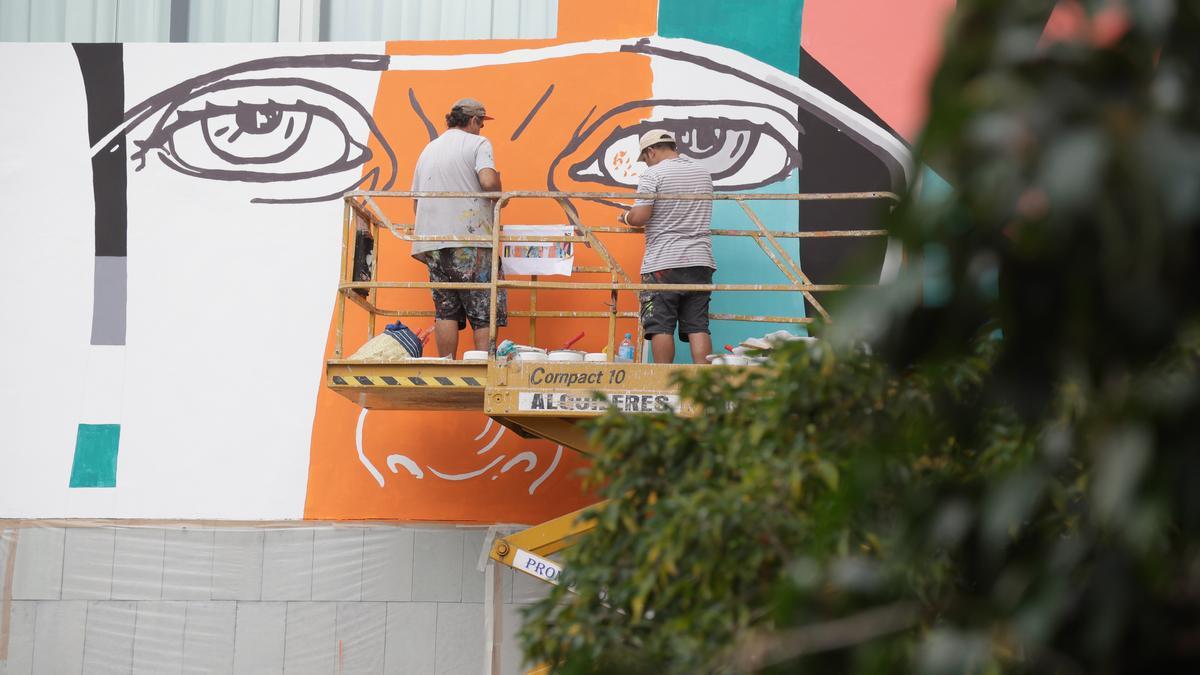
[(95, 462), (768, 30)]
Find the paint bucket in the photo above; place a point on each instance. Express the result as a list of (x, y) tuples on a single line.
[(566, 356), (527, 357), (596, 357), (734, 360), (475, 355)]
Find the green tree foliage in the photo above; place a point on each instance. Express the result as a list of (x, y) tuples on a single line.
[(1008, 478)]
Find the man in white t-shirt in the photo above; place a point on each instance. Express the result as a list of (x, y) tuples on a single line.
[(460, 160), (678, 247)]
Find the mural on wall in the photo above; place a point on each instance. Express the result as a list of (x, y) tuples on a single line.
[(216, 173)]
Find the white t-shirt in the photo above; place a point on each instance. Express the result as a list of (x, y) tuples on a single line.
[(451, 163)]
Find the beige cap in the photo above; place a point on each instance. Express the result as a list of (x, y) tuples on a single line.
[(654, 137), (471, 107)]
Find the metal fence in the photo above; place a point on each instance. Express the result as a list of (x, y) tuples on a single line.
[(363, 213)]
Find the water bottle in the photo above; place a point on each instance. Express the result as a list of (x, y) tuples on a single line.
[(625, 351)]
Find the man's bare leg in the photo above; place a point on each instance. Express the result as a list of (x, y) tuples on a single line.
[(662, 345), (701, 344), (481, 338), (445, 333)]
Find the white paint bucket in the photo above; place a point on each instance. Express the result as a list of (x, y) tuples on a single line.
[(566, 356), (596, 357), (735, 360), (475, 355), (526, 357)]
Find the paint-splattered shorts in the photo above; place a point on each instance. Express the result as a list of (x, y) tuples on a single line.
[(464, 265), (662, 310)]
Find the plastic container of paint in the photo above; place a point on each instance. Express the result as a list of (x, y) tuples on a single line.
[(475, 355), (566, 356)]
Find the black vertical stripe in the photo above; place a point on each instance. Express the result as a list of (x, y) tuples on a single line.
[(103, 72)]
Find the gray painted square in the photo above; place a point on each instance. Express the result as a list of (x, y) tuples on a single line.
[(361, 627), (108, 641), (287, 564), (208, 637), (259, 640), (58, 637), (88, 563), (310, 645), (38, 571), (138, 563), (437, 565), (459, 649), (411, 637), (109, 295), (472, 579), (158, 638), (22, 623), (337, 563), (187, 564), (387, 572), (237, 564)]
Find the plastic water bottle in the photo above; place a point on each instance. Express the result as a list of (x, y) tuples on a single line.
[(625, 351)]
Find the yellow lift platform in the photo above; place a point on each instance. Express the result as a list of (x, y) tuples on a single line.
[(544, 399)]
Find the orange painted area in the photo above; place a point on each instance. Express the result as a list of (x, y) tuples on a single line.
[(578, 21), (884, 51), (452, 444)]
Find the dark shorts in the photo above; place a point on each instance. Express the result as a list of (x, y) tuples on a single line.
[(464, 265), (663, 310)]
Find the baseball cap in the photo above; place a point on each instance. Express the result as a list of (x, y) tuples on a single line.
[(654, 137), (471, 107)]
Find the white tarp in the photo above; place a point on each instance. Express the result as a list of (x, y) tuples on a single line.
[(544, 258)]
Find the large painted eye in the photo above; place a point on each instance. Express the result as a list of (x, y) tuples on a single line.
[(263, 131), (742, 146)]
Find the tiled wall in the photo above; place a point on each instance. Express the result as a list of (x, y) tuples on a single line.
[(309, 599)]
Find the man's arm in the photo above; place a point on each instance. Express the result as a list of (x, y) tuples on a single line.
[(485, 167), (638, 216), (489, 180)]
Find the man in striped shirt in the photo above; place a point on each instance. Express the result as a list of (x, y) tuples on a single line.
[(678, 247)]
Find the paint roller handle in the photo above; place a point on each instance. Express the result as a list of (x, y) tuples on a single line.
[(573, 340)]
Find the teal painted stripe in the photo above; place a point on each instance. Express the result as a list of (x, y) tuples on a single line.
[(768, 30), (95, 463)]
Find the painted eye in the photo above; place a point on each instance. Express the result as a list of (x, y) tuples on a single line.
[(263, 131), (741, 146)]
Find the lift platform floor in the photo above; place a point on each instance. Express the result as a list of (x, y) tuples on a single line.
[(420, 384)]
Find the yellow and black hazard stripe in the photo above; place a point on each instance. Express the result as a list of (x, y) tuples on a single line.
[(389, 381)]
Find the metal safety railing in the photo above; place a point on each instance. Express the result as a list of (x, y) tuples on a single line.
[(363, 213)]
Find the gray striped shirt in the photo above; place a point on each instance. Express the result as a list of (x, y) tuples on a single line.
[(677, 234)]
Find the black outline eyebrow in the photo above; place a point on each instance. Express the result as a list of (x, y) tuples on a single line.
[(529, 118)]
